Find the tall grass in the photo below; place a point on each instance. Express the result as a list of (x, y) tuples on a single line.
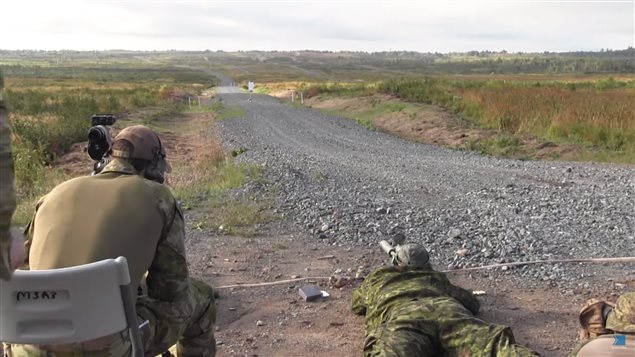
[(600, 113), (313, 90), (46, 123)]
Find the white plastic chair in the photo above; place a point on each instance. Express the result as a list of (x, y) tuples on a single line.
[(69, 305)]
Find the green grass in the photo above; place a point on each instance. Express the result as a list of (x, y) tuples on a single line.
[(499, 145), (379, 109), (207, 193), (366, 116), (212, 178), (280, 246), (221, 211), (241, 218), (319, 176), (203, 108), (166, 111), (228, 112), (361, 119), (233, 217)]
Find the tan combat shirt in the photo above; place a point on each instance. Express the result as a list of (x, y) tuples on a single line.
[(115, 213)]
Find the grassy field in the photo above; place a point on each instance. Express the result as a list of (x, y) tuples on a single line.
[(50, 110), (599, 114)]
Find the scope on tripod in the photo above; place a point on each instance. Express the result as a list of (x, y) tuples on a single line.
[(99, 139)]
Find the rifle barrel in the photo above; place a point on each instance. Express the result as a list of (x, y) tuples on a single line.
[(387, 247)]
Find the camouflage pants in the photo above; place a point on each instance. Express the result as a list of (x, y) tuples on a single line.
[(194, 336), (439, 327)]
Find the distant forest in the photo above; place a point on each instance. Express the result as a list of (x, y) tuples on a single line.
[(24, 62)]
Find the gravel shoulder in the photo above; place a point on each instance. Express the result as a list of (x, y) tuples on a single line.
[(348, 185)]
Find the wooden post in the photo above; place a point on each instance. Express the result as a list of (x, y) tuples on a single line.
[(189, 102), (292, 97), (199, 100), (302, 97)]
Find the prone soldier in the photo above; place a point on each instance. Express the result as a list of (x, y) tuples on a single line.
[(413, 310)]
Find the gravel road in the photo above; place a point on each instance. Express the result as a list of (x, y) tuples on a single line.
[(337, 181)]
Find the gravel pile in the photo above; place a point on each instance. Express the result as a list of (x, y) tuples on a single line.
[(351, 186)]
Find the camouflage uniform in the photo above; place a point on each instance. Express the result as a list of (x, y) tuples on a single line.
[(7, 195), (622, 318), (416, 311), (119, 213)]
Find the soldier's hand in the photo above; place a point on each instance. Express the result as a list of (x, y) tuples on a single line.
[(17, 255)]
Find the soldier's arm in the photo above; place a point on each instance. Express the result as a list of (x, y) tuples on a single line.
[(358, 300), (168, 277), (28, 233), (361, 295), (168, 286), (463, 296), (467, 299)]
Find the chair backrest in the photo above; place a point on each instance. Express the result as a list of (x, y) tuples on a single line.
[(67, 305), (612, 345)]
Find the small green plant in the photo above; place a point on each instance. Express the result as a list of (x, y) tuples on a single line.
[(279, 246), (365, 122), (232, 112), (320, 176), (241, 219), (203, 108), (218, 106), (238, 151), (506, 141), (168, 110)]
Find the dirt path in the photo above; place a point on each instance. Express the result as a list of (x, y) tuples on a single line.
[(540, 318)]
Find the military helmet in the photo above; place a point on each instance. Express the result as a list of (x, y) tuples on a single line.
[(412, 254), (145, 145)]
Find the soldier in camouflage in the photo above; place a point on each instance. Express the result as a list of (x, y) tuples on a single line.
[(11, 248), (126, 211), (412, 310)]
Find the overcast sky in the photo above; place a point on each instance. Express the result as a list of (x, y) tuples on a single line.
[(426, 26)]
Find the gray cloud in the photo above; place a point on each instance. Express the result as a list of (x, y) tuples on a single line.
[(423, 26)]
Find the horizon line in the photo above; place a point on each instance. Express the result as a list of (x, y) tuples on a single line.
[(503, 51)]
